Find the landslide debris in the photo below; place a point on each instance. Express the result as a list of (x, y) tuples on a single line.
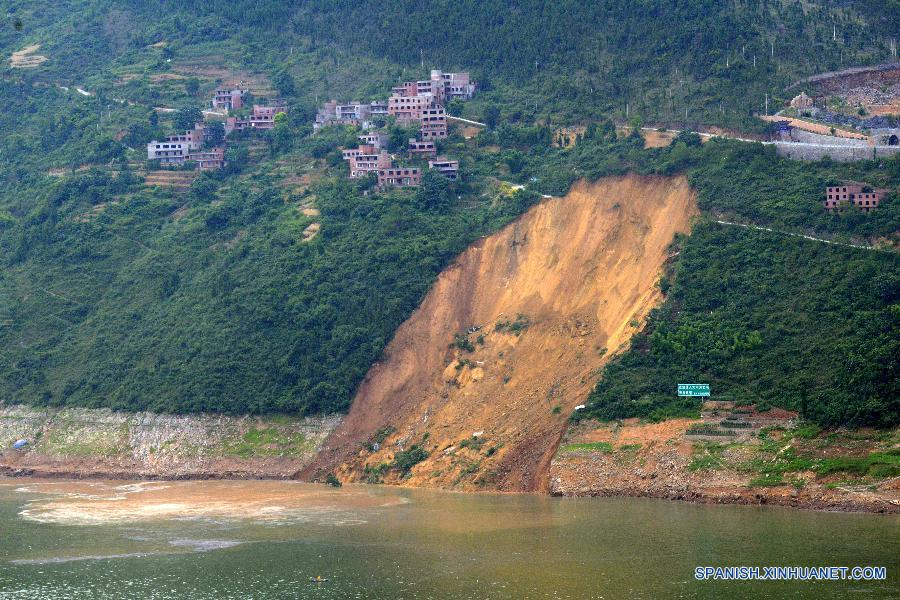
[(481, 379)]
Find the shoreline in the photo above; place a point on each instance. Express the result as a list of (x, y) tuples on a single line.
[(817, 498)]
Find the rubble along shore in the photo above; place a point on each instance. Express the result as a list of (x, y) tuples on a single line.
[(656, 460)]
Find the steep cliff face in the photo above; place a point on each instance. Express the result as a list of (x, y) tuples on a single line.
[(553, 296)]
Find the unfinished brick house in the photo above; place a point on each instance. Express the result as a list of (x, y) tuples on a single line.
[(852, 193), (211, 159), (261, 117), (444, 166), (422, 149), (174, 149), (399, 177), (377, 140), (408, 108), (369, 162), (228, 100), (434, 123)]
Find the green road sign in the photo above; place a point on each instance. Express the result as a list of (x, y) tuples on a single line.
[(693, 389)]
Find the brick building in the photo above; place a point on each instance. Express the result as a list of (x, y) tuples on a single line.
[(399, 177), (228, 99), (408, 108), (849, 193), (212, 159), (369, 162), (261, 117), (446, 167), (424, 148), (434, 123)]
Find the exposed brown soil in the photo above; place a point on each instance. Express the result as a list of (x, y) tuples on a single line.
[(578, 274), (26, 58), (652, 460)]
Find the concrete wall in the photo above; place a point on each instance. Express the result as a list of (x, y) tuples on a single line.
[(805, 151)]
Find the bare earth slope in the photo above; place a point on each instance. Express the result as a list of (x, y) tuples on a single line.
[(577, 274)]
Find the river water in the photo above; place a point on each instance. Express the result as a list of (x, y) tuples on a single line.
[(264, 539)]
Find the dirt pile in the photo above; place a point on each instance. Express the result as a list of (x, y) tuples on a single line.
[(553, 296)]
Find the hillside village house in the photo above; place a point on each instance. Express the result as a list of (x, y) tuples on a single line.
[(228, 100), (399, 177), (188, 146), (444, 166), (852, 193), (261, 117), (425, 148), (413, 101)]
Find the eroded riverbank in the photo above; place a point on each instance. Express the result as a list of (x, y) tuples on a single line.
[(831, 471), (103, 444)]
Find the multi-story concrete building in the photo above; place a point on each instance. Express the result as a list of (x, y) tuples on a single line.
[(441, 86), (446, 167), (363, 164), (228, 99), (408, 108), (852, 193), (424, 149), (434, 123), (399, 177), (174, 149), (261, 117), (377, 140), (212, 159), (456, 86), (354, 113), (168, 153)]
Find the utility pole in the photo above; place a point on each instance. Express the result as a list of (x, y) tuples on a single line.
[(422, 57), (767, 105), (834, 33)]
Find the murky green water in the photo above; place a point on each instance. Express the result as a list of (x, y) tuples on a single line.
[(222, 540)]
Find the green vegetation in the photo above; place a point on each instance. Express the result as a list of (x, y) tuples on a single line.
[(707, 457), (268, 441), (116, 294), (516, 327), (404, 461), (333, 481)]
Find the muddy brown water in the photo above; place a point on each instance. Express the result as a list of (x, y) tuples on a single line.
[(265, 539)]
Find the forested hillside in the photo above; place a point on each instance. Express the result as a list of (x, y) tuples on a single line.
[(704, 61), (213, 297)]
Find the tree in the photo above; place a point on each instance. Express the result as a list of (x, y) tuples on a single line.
[(434, 192), (491, 116), (284, 83), (186, 118), (192, 86), (215, 131)]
